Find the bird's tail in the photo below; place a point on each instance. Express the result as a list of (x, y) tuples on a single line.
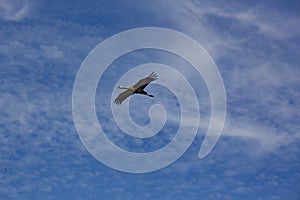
[(150, 95)]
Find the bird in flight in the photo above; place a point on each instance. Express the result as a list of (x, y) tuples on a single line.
[(137, 88)]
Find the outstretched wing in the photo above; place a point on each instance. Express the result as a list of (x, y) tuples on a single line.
[(123, 96), (145, 81)]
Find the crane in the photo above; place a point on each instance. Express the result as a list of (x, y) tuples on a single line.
[(137, 88)]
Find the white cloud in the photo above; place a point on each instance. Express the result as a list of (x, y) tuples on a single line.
[(267, 139), (256, 73), (52, 51), (14, 10), (271, 23)]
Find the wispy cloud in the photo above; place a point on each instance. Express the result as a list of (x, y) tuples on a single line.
[(15, 10), (249, 47), (272, 22), (266, 139), (41, 153)]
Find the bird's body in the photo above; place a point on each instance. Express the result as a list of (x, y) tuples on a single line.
[(137, 88)]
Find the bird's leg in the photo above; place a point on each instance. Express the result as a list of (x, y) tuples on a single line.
[(146, 93)]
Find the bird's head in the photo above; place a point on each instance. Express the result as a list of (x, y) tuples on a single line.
[(121, 87)]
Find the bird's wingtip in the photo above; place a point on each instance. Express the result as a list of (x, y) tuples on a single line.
[(153, 75), (117, 102)]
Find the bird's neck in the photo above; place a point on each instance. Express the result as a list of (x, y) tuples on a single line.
[(130, 88), (126, 88)]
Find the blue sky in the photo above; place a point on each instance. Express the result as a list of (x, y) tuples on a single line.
[(255, 45)]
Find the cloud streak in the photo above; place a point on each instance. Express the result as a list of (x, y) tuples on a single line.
[(255, 75), (257, 156), (15, 10)]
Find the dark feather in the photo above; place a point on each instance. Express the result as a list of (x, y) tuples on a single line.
[(141, 84), (123, 96)]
